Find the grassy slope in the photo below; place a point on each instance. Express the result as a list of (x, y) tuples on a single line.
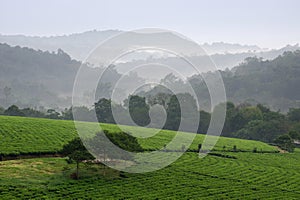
[(33, 135), (250, 176)]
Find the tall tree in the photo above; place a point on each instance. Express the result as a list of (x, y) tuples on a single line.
[(103, 111), (76, 151), (139, 110)]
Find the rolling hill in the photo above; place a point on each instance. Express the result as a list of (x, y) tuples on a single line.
[(239, 175), (21, 135)]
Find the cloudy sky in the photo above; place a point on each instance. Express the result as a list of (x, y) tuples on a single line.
[(263, 22)]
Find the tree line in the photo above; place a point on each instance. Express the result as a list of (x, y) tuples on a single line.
[(243, 121)]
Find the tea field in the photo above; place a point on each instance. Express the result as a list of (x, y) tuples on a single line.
[(233, 175), (20, 135), (250, 176)]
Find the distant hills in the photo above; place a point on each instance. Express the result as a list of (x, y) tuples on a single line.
[(274, 83), (41, 78), (36, 78), (79, 45), (227, 48), (221, 61)]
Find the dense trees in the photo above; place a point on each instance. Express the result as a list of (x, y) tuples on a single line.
[(47, 79), (294, 114), (243, 116), (285, 142), (273, 82), (261, 130), (14, 111), (30, 112), (242, 121)]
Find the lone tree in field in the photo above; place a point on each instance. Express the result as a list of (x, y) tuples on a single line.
[(76, 151)]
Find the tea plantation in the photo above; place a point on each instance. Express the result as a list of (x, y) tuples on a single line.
[(20, 135), (240, 175)]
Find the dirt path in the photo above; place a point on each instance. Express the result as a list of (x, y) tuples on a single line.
[(281, 150), (4, 158)]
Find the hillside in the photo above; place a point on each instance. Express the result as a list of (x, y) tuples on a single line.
[(20, 135), (242, 175), (274, 83), (78, 45), (38, 78)]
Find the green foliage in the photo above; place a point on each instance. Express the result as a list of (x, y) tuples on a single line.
[(262, 130), (139, 110), (285, 142), (76, 151), (294, 135), (249, 176), (173, 114), (100, 147), (244, 116), (124, 141), (44, 78), (254, 123), (14, 111), (21, 135), (296, 127), (103, 110), (242, 121), (29, 112), (67, 114), (204, 122), (52, 114), (182, 110), (294, 114), (49, 177)]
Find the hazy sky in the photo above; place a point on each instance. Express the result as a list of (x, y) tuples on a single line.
[(263, 22)]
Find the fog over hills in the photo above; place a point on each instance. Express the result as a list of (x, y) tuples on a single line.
[(36, 78), (79, 45)]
